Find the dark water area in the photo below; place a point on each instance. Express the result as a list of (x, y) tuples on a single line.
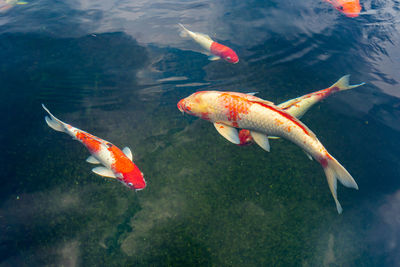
[(117, 70)]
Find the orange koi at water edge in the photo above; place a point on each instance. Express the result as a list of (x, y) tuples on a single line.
[(231, 110), (297, 107), (117, 163), (216, 50), (351, 8)]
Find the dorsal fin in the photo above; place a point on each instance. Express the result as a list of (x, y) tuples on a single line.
[(288, 103), (252, 93)]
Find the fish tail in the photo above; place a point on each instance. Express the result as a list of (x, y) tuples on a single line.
[(184, 32), (53, 122), (335, 171), (343, 84)]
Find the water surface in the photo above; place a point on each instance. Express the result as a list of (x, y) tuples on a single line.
[(117, 69)]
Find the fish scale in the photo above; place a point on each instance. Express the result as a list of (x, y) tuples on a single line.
[(262, 119)]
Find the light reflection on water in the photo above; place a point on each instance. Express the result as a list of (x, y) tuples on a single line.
[(117, 70)]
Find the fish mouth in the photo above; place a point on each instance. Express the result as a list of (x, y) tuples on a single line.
[(181, 106)]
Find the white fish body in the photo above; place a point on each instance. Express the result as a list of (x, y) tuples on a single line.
[(117, 163), (230, 110), (202, 39)]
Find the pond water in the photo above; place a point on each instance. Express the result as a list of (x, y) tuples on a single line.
[(117, 70)]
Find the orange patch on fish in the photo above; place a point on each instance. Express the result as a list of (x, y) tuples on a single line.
[(351, 8), (278, 121), (245, 137), (89, 141), (235, 106), (121, 164)]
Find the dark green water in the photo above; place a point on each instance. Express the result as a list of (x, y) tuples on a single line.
[(117, 69)]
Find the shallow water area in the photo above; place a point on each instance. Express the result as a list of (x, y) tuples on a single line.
[(117, 69)]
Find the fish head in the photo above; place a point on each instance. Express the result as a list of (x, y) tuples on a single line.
[(224, 52), (230, 56), (195, 105), (245, 138), (351, 8), (134, 179)]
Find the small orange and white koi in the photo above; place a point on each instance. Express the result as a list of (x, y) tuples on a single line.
[(231, 110), (117, 163), (217, 50), (297, 107)]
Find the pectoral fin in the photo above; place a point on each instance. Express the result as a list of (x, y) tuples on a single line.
[(102, 171), (228, 132), (127, 152), (213, 58), (92, 160), (261, 140)]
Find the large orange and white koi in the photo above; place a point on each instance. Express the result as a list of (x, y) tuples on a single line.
[(351, 8), (231, 110), (297, 107), (216, 50), (117, 163)]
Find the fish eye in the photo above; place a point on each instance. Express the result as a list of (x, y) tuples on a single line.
[(130, 184), (229, 58)]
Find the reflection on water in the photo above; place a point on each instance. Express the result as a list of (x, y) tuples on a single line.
[(117, 70)]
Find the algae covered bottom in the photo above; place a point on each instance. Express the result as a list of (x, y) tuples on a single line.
[(118, 69)]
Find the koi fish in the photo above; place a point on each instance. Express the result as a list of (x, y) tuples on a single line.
[(351, 8), (297, 107), (231, 110), (216, 50), (7, 4), (117, 163)]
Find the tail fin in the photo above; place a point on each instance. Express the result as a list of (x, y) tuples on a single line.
[(53, 122), (343, 83), (184, 32), (333, 171)]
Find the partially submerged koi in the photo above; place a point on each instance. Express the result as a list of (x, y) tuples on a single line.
[(217, 50), (351, 8), (297, 107), (231, 110), (117, 163)]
